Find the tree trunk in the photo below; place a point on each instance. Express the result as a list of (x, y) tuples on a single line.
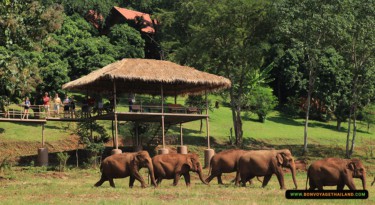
[(338, 126), (233, 108), (348, 134), (305, 135), (354, 131), (239, 125)]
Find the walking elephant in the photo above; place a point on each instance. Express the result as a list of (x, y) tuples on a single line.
[(173, 166), (266, 163), (225, 162), (335, 172), (124, 165)]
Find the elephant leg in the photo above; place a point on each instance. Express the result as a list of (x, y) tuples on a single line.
[(244, 180), (101, 181), (112, 183), (219, 181), (187, 179), (280, 177), (138, 177), (266, 180), (176, 179), (348, 181), (237, 179), (208, 180), (158, 181), (131, 181), (340, 186)]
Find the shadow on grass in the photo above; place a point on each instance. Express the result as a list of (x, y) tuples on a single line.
[(2, 130), (284, 120)]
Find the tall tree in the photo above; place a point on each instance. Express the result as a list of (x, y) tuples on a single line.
[(227, 38), (310, 27), (359, 51)]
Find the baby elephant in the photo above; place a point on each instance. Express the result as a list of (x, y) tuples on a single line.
[(173, 166), (124, 165), (335, 172)]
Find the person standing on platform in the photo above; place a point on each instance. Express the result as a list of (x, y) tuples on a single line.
[(66, 104), (26, 105), (57, 103), (72, 107), (46, 103)]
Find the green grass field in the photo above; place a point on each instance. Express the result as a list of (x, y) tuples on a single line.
[(38, 186), (35, 185)]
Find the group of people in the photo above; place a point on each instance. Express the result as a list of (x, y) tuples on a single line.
[(45, 102)]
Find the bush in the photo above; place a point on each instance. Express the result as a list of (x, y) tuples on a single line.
[(261, 101), (62, 158), (93, 136)]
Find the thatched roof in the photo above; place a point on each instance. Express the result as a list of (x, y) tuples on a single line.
[(145, 76)]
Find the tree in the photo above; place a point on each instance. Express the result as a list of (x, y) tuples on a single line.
[(93, 136), (227, 38), (261, 101), (369, 115), (358, 48), (311, 27), (24, 26)]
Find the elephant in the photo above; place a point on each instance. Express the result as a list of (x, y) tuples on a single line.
[(335, 172), (225, 162), (172, 166), (124, 165), (266, 163)]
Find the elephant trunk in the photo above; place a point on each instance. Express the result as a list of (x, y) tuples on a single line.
[(364, 181), (293, 170), (151, 170), (200, 173)]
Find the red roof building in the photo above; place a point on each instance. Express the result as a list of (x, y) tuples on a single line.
[(142, 20)]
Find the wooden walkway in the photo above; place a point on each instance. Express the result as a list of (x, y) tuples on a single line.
[(32, 121)]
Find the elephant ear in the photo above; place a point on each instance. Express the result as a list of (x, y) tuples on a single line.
[(351, 166), (280, 158), (190, 162)]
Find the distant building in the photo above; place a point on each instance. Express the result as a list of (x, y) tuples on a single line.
[(140, 21)]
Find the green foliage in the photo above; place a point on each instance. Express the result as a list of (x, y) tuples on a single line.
[(261, 101), (128, 41), (93, 136), (368, 114), (5, 164), (62, 157)]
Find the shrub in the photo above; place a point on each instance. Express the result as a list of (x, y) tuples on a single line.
[(261, 101), (62, 158)]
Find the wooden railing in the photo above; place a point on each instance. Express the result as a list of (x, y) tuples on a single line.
[(39, 112)]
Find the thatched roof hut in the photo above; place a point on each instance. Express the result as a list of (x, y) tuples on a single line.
[(146, 76)]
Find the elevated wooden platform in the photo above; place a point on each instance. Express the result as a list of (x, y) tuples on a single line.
[(169, 118), (32, 121)]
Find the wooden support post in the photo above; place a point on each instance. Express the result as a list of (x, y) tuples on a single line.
[(116, 150), (207, 123), (182, 141), (208, 153), (162, 150), (43, 135), (162, 115), (136, 134)]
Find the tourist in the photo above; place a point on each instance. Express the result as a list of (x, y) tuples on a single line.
[(72, 107), (57, 103), (46, 103), (26, 105), (66, 104)]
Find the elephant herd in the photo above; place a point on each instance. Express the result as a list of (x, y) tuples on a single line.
[(247, 165)]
